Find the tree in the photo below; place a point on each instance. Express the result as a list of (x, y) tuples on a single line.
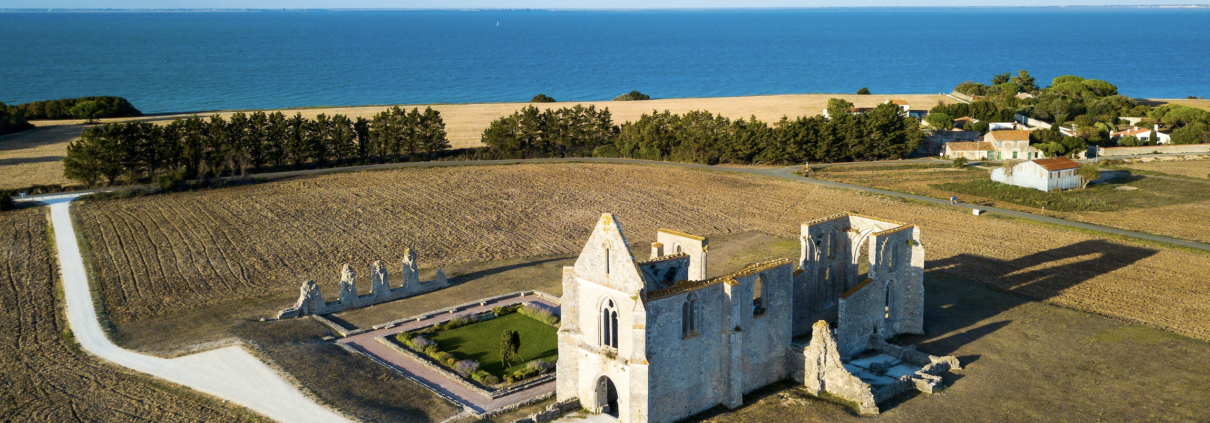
[(1026, 82), (1194, 133), (838, 107), (1153, 138), (940, 121), (11, 122), (863, 91), (510, 344), (633, 95), (1001, 78), (960, 162), (1088, 173), (542, 98), (89, 110)]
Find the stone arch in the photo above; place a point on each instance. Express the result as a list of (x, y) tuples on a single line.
[(677, 249), (606, 397), (607, 325)]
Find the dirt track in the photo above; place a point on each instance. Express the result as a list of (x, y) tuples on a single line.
[(44, 376)]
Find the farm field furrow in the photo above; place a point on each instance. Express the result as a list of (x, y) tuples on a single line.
[(45, 377), (469, 214)]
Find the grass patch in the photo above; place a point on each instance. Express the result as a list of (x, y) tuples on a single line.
[(1029, 197), (481, 342), (868, 168)]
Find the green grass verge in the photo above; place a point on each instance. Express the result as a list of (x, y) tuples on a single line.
[(481, 342), (1029, 197)]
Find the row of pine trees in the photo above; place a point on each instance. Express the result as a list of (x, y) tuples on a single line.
[(198, 148)]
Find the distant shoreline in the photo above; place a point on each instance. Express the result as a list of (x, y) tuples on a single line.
[(719, 9)]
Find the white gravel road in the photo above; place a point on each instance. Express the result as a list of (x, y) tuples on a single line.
[(229, 373)]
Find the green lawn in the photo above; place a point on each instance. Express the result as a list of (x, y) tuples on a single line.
[(481, 342)]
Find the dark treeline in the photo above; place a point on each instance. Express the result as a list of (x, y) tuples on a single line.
[(195, 148), (106, 107), (12, 122), (702, 137)]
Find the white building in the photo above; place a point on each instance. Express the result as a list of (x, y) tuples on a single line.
[(1011, 145), (1143, 134), (1043, 174)]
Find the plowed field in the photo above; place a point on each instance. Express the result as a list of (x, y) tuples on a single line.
[(163, 254), (44, 377)]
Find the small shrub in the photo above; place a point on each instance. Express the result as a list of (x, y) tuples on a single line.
[(508, 378), (431, 350), (960, 162), (6, 200), (466, 367), (457, 322), (480, 375), (542, 98), (863, 91), (526, 373), (450, 362), (541, 366), (540, 314), (490, 380)]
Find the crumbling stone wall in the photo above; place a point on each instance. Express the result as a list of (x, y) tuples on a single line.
[(824, 371), (311, 301)]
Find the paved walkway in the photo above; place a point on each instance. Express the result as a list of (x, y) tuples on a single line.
[(229, 373), (476, 402)]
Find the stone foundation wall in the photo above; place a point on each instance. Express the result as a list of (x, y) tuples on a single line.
[(311, 301)]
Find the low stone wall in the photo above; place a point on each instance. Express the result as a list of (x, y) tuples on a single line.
[(336, 327), (460, 307), (552, 412), (1110, 152)]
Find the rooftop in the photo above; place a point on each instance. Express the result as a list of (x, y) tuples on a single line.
[(1057, 163), (1010, 135), (970, 146), (682, 234)]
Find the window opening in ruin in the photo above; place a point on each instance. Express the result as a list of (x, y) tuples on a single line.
[(888, 302), (606, 260), (609, 325), (758, 299), (831, 246), (678, 249), (689, 317)]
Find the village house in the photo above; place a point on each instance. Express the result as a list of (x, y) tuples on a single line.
[(934, 143), (1011, 145), (1143, 134), (972, 150), (1043, 174)]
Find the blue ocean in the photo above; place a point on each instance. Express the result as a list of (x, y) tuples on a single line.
[(194, 61)]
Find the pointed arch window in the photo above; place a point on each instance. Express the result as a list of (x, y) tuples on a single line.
[(689, 318), (609, 325)]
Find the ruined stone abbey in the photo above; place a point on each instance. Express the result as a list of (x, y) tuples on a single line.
[(657, 340)]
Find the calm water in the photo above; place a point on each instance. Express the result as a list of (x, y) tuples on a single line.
[(222, 60)]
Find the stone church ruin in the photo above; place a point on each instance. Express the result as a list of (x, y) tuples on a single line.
[(656, 340), (311, 301)]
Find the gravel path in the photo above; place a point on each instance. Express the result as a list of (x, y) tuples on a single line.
[(230, 373)]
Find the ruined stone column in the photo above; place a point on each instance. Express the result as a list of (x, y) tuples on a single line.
[(348, 286), (411, 276), (380, 284)]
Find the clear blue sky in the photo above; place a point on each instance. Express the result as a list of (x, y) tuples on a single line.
[(536, 4)]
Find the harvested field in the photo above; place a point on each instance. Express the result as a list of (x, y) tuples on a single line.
[(44, 376), (1198, 168), (161, 255), (27, 159), (1173, 206), (35, 157)]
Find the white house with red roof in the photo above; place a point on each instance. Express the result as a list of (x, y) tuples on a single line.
[(1058, 173), (1143, 134)]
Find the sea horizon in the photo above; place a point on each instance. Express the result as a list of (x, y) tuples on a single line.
[(167, 61)]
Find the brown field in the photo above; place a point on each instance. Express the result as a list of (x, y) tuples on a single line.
[(1198, 167), (245, 250), (44, 376), (35, 157), (1199, 103), (1170, 206)]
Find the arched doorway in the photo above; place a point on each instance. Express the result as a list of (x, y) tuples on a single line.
[(607, 397)]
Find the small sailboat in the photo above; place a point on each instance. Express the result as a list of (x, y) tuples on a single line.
[(497, 23)]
